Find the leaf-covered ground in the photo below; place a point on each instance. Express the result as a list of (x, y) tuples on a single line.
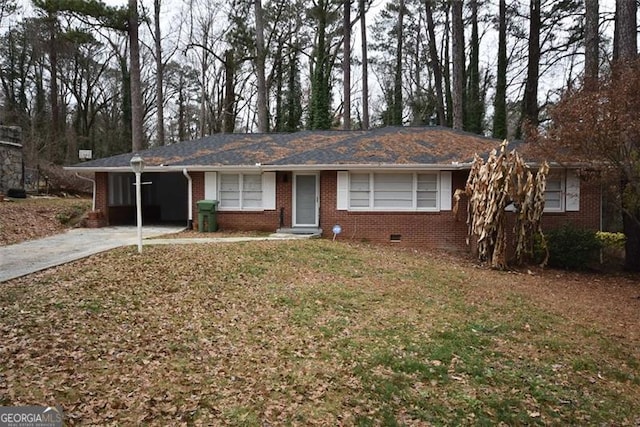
[(34, 218), (318, 333)]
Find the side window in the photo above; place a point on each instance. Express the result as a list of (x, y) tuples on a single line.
[(240, 191), (359, 192), (427, 192), (229, 190), (553, 196), (252, 191)]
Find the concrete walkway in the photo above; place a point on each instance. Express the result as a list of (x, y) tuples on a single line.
[(35, 255)]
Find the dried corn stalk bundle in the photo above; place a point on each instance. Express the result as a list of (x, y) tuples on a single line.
[(502, 180)]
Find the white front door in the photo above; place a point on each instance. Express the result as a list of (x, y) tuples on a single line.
[(305, 200)]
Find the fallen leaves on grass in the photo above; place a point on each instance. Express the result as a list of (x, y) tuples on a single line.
[(308, 333), (34, 218)]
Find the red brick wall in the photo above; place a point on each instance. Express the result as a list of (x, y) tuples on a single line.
[(102, 194), (197, 182), (239, 220), (589, 215), (284, 197), (417, 229)]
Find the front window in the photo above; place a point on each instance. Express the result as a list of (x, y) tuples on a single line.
[(427, 190), (553, 193), (240, 191), (359, 190), (393, 191)]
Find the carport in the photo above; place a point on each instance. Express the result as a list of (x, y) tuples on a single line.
[(164, 198)]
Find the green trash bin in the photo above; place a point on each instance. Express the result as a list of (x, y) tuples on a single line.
[(207, 215)]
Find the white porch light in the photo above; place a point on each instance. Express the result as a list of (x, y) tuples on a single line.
[(137, 166)]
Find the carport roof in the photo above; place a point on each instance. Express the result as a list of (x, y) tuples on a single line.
[(389, 146)]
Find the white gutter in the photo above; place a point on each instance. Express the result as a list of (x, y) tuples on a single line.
[(190, 198), (93, 202), (271, 168)]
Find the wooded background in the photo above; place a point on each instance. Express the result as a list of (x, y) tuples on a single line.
[(82, 74)]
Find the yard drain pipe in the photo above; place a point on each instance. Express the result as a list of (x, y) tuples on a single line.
[(93, 201), (190, 199)]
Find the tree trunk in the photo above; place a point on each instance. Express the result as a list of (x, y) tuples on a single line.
[(182, 113), (591, 43), (458, 64), (631, 227), (475, 104), (625, 50), (320, 116), (54, 144), (447, 69), (365, 65), (396, 112), (278, 77), (229, 120), (500, 101), (435, 63), (136, 90), (346, 66), (159, 74), (530, 101), (263, 115), (625, 47)]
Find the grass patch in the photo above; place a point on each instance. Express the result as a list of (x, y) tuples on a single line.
[(306, 333)]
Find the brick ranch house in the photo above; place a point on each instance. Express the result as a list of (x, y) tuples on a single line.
[(388, 184)]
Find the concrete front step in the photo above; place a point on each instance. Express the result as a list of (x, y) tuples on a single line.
[(313, 231)]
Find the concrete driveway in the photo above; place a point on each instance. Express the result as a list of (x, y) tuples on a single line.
[(35, 255)]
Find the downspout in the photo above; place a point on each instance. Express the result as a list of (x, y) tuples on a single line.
[(93, 202), (190, 199)]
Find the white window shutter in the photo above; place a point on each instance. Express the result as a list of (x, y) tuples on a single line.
[(269, 191), (445, 190), (343, 191), (572, 201), (210, 186)]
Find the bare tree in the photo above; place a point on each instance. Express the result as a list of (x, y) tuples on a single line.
[(263, 117), (397, 82), (530, 101), (591, 44), (346, 65), (136, 89), (436, 67), (159, 73), (625, 46), (458, 64), (500, 101), (365, 66)]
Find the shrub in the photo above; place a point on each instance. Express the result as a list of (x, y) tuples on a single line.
[(572, 248), (611, 240), (71, 215)]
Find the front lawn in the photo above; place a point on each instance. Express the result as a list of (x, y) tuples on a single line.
[(318, 333)]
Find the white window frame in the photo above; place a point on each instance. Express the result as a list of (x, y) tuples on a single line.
[(560, 176), (241, 204), (414, 192)]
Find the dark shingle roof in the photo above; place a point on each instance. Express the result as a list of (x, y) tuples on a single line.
[(386, 146)]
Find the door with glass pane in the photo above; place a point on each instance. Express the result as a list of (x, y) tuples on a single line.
[(305, 201)]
